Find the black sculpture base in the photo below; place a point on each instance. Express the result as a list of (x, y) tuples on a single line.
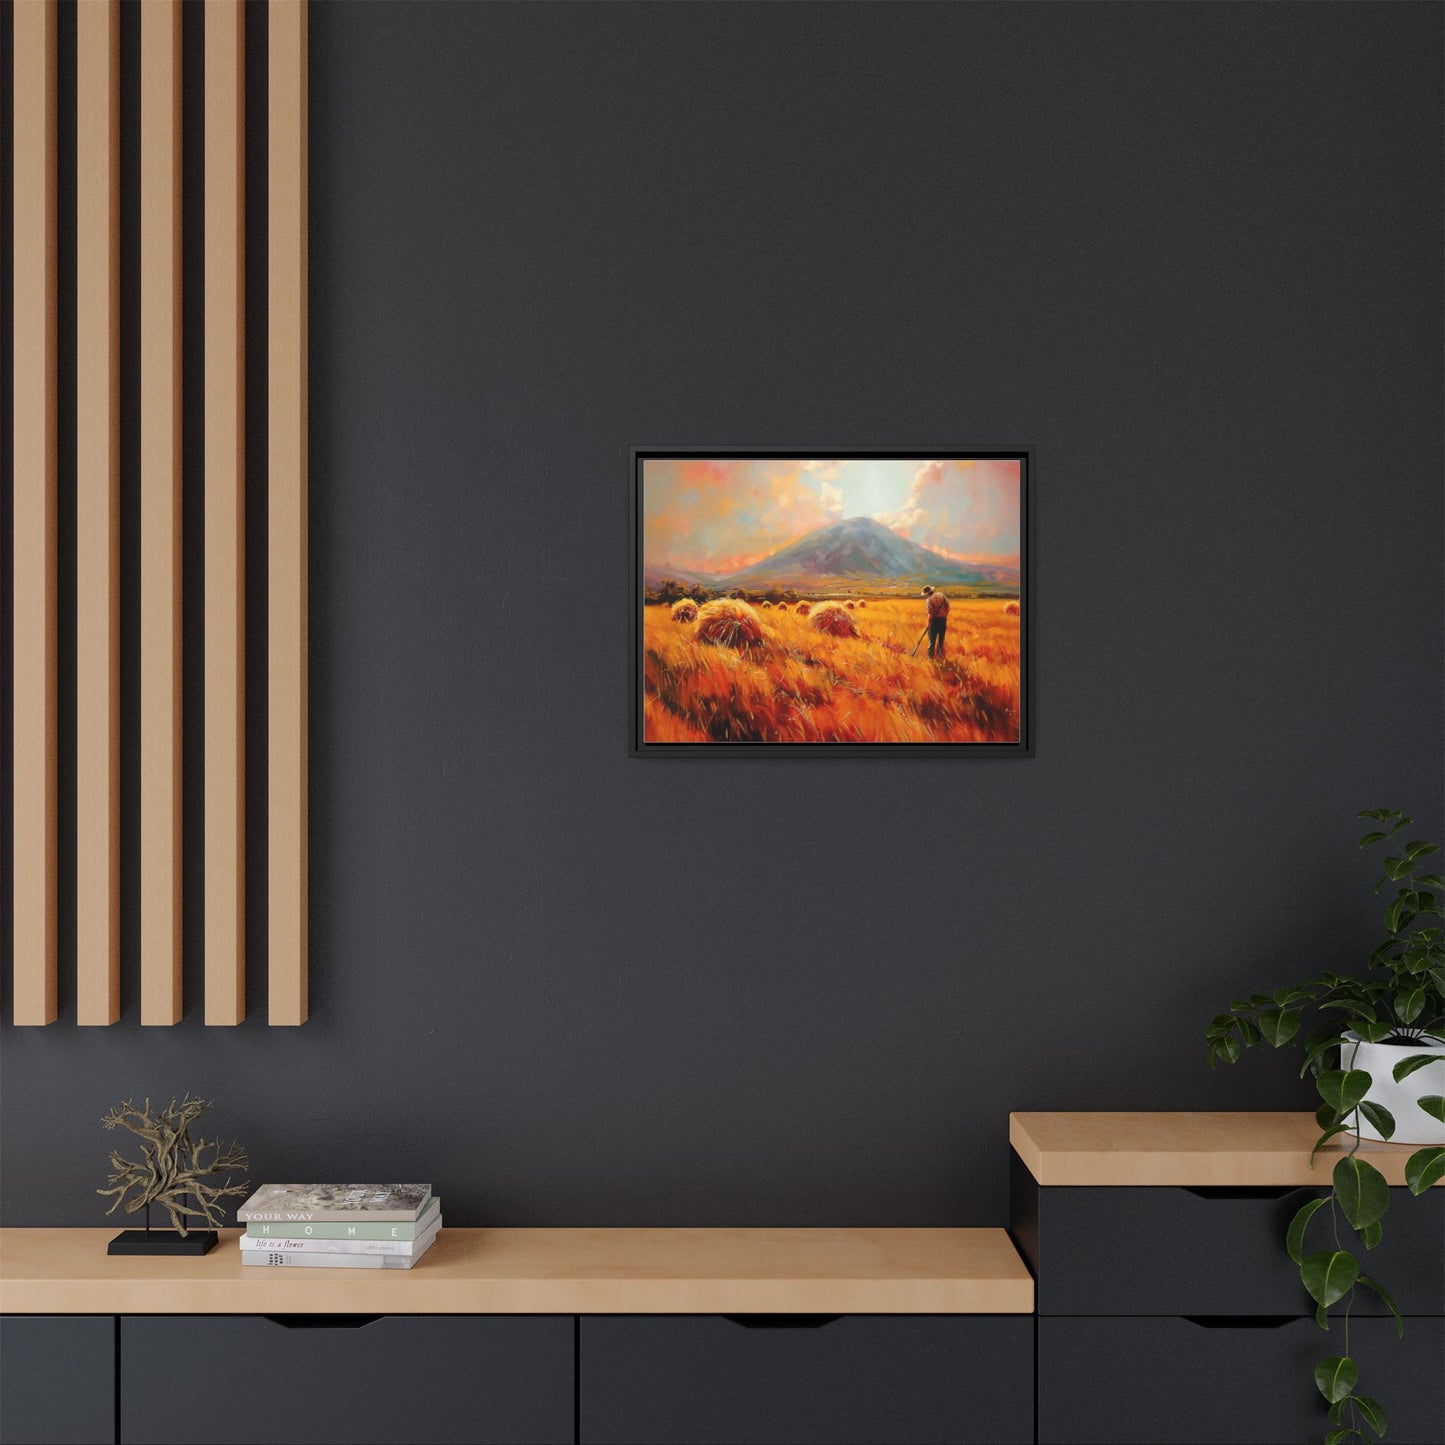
[(163, 1241)]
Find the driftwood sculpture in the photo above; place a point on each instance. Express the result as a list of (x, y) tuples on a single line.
[(173, 1167)]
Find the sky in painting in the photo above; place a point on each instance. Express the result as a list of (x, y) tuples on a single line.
[(720, 515)]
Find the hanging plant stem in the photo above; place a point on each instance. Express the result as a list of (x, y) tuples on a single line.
[(1406, 1006)]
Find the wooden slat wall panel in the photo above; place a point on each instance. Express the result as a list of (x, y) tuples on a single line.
[(34, 704), (160, 512), (97, 439), (286, 531), (225, 686), (97, 457)]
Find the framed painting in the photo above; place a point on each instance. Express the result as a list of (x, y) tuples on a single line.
[(793, 603)]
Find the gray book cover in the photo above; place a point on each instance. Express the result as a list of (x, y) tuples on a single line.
[(353, 1226), (313, 1244), (335, 1203)]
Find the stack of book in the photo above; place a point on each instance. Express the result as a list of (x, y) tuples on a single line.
[(339, 1226)]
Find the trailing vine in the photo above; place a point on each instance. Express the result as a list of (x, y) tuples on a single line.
[(1405, 1006)]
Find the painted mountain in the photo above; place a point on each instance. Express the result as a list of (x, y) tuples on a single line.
[(654, 574), (862, 552)]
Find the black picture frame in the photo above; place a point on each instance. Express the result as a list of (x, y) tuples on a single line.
[(1022, 748)]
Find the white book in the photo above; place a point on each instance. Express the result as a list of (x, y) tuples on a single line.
[(303, 1259), (404, 1247)]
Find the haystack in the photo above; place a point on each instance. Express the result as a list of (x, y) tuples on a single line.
[(832, 618), (1012, 610), (684, 611), (729, 623), (803, 608), (850, 604), (861, 602), (767, 605)]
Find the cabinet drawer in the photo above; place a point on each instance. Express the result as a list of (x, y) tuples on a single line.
[(57, 1379), (1223, 1382), (1165, 1251), (779, 1379), (320, 1378)]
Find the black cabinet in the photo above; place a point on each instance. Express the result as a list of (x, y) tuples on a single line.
[(1156, 1250), (1170, 1315), (57, 1379), (1235, 1381), (208, 1380), (783, 1379), (685, 1380)]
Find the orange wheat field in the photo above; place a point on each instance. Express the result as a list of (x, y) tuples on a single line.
[(800, 685)]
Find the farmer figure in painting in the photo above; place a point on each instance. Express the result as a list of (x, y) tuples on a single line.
[(937, 620)]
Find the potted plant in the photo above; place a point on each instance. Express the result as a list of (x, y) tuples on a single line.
[(1378, 1061)]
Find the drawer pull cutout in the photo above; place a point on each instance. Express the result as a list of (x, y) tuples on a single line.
[(1241, 1322), (1243, 1191), (782, 1322), (322, 1322)]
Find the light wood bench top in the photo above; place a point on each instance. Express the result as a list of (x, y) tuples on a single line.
[(1188, 1150), (543, 1271)]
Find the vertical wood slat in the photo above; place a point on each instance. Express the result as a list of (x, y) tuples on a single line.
[(34, 577), (287, 522), (97, 458), (160, 511), (225, 545)]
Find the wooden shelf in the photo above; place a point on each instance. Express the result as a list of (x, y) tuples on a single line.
[(1187, 1150), (544, 1271)]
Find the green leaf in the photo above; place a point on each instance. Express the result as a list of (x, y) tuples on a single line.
[(1325, 1139), (1396, 868), (1329, 1275), (1373, 837), (1279, 1025), (1400, 912), (1423, 1168), (1294, 1240), (1373, 1413), (1408, 1004), (1342, 1089), (1319, 1045), (1372, 1234), (1419, 848), (1431, 880), (1380, 814), (1384, 1294), (1336, 1377), (1361, 1191), (1226, 1049), (1326, 1117), (1349, 1006), (1406, 1067), (1321, 1318), (1338, 1437), (1433, 1105), (1380, 1117), (1373, 1033)]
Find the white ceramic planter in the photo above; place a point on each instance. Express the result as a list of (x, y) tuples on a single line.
[(1412, 1124)]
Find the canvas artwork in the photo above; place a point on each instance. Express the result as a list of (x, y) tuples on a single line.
[(844, 601)]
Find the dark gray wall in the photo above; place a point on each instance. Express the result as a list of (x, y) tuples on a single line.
[(1191, 253)]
